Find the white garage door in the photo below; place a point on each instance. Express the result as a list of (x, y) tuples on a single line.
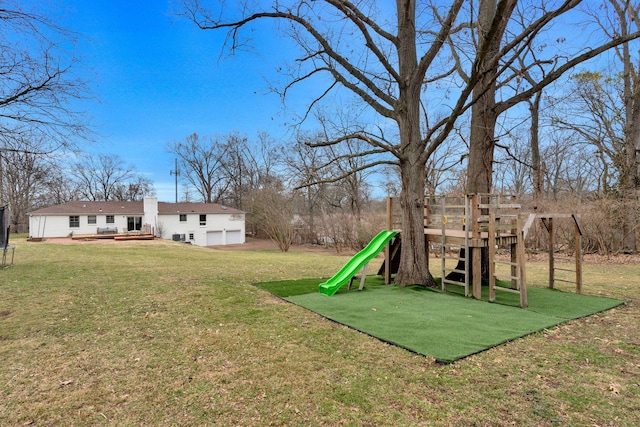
[(214, 238), (234, 237)]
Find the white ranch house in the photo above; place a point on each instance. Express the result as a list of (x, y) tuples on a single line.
[(202, 224)]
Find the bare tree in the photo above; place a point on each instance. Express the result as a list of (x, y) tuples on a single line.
[(571, 169), (106, 177), (389, 67), (266, 157), (58, 187), (622, 20), (38, 87), (187, 192), (444, 165), (248, 165), (303, 166), (504, 53), (513, 166), (534, 108), (272, 212), (352, 191), (23, 173), (135, 189), (237, 171), (598, 115), (226, 168), (200, 161), (38, 83), (500, 50)]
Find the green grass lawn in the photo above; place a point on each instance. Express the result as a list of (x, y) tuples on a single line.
[(162, 333)]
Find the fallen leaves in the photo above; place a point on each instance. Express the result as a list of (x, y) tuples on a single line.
[(614, 388)]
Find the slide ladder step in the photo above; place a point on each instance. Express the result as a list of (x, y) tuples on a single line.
[(452, 282), (513, 291)]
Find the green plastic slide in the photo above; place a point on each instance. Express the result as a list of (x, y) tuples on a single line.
[(354, 265)]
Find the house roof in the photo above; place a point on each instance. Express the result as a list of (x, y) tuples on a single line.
[(131, 208), (201, 208)]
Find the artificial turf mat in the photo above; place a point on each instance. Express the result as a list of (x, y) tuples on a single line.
[(446, 326)]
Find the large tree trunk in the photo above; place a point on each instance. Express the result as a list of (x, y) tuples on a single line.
[(481, 147), (484, 114), (536, 162), (630, 176), (629, 184), (413, 268), (482, 144)]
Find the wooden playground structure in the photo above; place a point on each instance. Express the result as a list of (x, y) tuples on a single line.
[(461, 228)]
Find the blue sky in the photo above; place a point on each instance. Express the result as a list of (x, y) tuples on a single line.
[(157, 78)]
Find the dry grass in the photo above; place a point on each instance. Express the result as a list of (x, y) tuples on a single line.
[(160, 333)]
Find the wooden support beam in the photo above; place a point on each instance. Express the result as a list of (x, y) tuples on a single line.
[(578, 249), (387, 249), (522, 269), (363, 278), (492, 255), (548, 222), (476, 253), (527, 225)]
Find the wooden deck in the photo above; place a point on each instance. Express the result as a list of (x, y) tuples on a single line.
[(117, 237)]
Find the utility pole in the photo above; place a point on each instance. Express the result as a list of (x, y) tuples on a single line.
[(176, 172)]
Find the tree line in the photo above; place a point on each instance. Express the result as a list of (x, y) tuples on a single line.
[(270, 180), (31, 179)]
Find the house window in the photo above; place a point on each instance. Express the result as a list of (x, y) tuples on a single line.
[(111, 219), (134, 223), (74, 221), (203, 219), (91, 219), (183, 217), (190, 236)]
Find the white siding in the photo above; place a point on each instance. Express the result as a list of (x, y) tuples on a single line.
[(58, 225), (223, 223)]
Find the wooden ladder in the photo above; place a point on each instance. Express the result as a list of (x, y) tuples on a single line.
[(516, 264), (445, 248)]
